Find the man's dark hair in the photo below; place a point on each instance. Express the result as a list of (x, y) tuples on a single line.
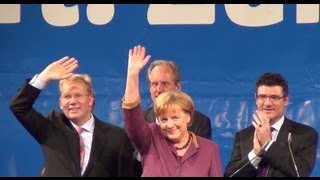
[(273, 79)]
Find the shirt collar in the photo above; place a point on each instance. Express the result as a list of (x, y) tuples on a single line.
[(278, 124), (88, 126)]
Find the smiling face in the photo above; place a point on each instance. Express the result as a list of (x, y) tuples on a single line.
[(174, 124), (272, 95), (273, 103), (76, 101), (174, 110)]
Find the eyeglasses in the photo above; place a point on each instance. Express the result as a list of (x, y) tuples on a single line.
[(69, 97), (163, 84), (272, 98)]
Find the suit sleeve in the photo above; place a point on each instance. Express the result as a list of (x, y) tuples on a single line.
[(22, 108), (306, 155), (137, 128), (127, 165), (237, 161), (304, 149)]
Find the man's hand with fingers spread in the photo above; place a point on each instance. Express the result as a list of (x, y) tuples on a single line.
[(59, 69), (262, 127)]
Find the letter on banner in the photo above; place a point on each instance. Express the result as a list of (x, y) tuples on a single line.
[(261, 15), (307, 13), (60, 15), (10, 13), (100, 14), (165, 14)]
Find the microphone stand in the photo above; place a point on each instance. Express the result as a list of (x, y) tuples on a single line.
[(291, 154), (246, 164)]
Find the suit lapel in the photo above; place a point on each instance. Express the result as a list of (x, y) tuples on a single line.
[(282, 138), (98, 141), (70, 136)]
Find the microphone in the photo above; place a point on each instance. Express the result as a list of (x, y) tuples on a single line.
[(291, 154), (255, 157)]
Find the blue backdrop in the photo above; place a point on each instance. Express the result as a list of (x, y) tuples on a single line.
[(221, 50)]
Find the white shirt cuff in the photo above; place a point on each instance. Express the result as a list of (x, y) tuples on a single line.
[(35, 82), (255, 160)]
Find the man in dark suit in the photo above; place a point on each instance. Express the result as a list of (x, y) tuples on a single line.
[(274, 146), (164, 75), (105, 148)]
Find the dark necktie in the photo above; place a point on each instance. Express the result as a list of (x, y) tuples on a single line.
[(79, 129), (263, 169), (264, 166)]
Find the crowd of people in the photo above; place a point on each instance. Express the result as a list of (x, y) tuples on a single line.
[(169, 139)]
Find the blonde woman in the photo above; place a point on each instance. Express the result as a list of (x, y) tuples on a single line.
[(168, 148)]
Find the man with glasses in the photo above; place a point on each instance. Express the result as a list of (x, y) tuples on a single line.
[(163, 76), (274, 146), (74, 142)]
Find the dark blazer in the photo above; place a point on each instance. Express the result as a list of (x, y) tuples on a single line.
[(304, 147), (201, 124), (111, 151)]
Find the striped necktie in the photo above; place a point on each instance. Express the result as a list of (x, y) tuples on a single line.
[(79, 130)]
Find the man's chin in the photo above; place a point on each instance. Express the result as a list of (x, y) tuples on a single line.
[(73, 118), (270, 115)]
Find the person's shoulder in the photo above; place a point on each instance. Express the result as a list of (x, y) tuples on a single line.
[(108, 126), (297, 126), (202, 139), (54, 114), (206, 142), (199, 115), (147, 111), (246, 131)]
